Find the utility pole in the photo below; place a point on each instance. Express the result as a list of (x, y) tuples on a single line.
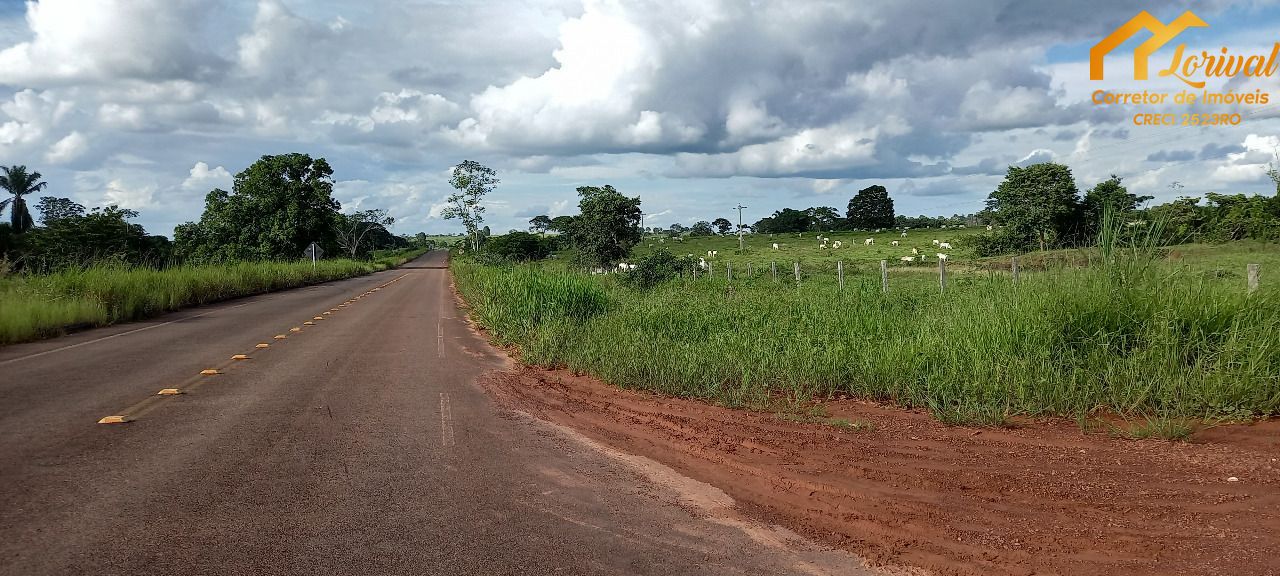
[(739, 208)]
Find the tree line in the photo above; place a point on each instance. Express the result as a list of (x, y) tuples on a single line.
[(276, 208)]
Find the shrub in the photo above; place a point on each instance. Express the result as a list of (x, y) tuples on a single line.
[(657, 267), (518, 247)]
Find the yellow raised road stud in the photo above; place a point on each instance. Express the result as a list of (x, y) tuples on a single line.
[(169, 392), (113, 420), (263, 345), (240, 357), (209, 372)]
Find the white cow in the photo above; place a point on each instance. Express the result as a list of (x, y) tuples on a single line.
[(935, 242), (942, 256), (869, 241), (837, 244), (904, 234), (944, 245), (894, 243), (775, 245), (702, 263), (908, 258), (989, 228), (915, 251)]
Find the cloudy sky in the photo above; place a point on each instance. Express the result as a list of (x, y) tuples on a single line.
[(693, 106)]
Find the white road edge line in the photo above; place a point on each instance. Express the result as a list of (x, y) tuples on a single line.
[(446, 421)]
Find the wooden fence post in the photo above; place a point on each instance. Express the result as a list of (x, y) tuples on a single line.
[(840, 272), (884, 276), (773, 268), (797, 267), (942, 274), (1015, 269), (728, 271), (1254, 274)]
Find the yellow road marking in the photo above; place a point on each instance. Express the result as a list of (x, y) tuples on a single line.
[(295, 329), (113, 420), (308, 323), (209, 372), (263, 345), (168, 392), (279, 337), (240, 357), (318, 318)]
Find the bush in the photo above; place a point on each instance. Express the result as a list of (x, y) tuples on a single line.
[(657, 267), (518, 247)]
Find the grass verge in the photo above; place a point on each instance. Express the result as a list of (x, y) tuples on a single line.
[(1134, 339), (33, 307)]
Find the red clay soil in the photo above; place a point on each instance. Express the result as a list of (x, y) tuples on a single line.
[(1044, 498)]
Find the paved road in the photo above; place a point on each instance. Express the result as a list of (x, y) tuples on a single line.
[(358, 445)]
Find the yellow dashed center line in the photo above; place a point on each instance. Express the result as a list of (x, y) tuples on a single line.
[(137, 410)]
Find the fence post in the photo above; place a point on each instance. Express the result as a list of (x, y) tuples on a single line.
[(728, 271), (773, 267), (750, 269), (1015, 269), (797, 266), (884, 276), (942, 275), (840, 272), (1253, 278)]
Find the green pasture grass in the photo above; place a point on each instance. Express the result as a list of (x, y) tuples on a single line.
[(1132, 338)]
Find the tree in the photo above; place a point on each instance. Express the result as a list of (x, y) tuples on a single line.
[(1108, 194), (519, 246), (52, 209), (103, 234), (540, 223), (353, 228), (701, 228), (277, 207), (785, 220), (871, 208), (609, 225), (472, 180), (18, 182), (823, 218), (561, 224), (723, 225), (1039, 201)]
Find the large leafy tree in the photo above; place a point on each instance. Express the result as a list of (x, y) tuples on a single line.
[(1111, 195), (723, 225), (1039, 201), (19, 183), (785, 220), (276, 208), (52, 209), (871, 207), (701, 228), (473, 181), (540, 223), (609, 225)]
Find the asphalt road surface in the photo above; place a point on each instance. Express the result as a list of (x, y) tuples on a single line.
[(359, 444)]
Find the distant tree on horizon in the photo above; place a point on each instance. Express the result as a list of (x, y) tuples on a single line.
[(871, 208)]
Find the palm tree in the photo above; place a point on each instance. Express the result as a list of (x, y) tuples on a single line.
[(18, 182)]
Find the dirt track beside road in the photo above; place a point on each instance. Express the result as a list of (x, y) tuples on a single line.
[(905, 490)]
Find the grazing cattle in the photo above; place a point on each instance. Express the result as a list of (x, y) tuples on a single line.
[(935, 242), (775, 245), (908, 258), (944, 245), (836, 244), (904, 234), (989, 228), (869, 241), (915, 251), (942, 256), (894, 243)]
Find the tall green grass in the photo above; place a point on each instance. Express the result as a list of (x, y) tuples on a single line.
[(1130, 335), (37, 306)]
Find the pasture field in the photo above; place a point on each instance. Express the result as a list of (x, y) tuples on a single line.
[(1169, 336), (806, 249), (39, 306)]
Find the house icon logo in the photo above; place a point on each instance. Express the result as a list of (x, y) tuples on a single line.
[(1161, 34)]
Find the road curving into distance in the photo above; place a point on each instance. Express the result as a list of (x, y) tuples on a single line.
[(358, 443)]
